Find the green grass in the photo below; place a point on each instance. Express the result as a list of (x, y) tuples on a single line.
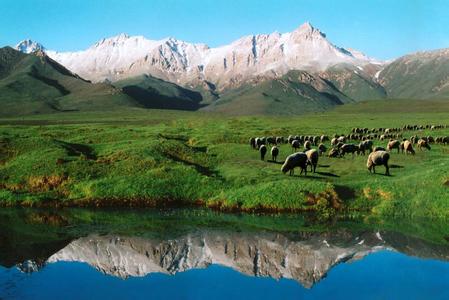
[(158, 158)]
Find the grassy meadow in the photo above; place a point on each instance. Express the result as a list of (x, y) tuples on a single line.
[(139, 157)]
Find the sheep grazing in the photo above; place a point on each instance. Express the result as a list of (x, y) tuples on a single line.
[(252, 142), (442, 140), (295, 145), (339, 145), (271, 140), (312, 159), (324, 138), (260, 142), (298, 159), (321, 149), (408, 147), (393, 144), (334, 141), (274, 153), (378, 148), (279, 140), (333, 152), (307, 145), (423, 144), (263, 151), (378, 158), (348, 148), (366, 145), (341, 139)]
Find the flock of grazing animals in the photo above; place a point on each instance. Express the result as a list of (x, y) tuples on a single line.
[(340, 146)]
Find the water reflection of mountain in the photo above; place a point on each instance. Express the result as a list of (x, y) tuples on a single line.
[(176, 241), (305, 260)]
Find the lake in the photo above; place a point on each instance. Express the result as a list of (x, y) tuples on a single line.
[(200, 254)]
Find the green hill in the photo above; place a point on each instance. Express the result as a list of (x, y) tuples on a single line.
[(34, 83), (297, 92), (151, 92), (422, 75), (354, 82)]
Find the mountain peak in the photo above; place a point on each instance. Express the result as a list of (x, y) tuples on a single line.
[(122, 36), (29, 46), (308, 29), (306, 26), (114, 40)]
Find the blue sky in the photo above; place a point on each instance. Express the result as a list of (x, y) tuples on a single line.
[(381, 28)]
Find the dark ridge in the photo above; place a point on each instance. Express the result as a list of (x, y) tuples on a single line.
[(77, 149), (50, 82), (334, 98), (199, 168), (149, 98)]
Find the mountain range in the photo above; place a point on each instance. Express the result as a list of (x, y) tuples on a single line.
[(306, 257), (290, 73)]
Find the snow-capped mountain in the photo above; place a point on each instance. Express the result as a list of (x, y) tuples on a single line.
[(28, 46), (271, 55), (263, 255)]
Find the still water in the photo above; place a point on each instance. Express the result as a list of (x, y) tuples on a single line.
[(185, 254)]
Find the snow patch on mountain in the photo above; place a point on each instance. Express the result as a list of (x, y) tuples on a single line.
[(28, 46)]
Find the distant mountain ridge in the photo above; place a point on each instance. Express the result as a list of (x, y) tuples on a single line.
[(187, 64), (291, 73), (421, 75)]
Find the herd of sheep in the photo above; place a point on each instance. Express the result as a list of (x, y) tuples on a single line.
[(340, 146)]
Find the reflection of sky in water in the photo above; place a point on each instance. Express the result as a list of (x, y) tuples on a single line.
[(383, 275)]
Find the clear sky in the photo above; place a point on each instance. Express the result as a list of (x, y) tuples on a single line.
[(381, 28)]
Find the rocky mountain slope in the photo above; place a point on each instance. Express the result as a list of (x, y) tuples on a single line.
[(357, 82), (187, 64), (422, 75), (296, 92)]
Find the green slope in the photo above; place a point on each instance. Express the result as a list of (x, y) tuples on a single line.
[(297, 92), (423, 75), (152, 92), (34, 83), (354, 83)]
